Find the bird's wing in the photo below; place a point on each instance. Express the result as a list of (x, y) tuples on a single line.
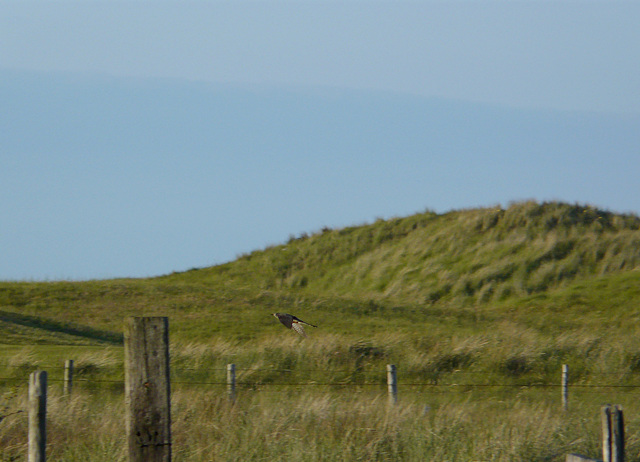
[(303, 322), (298, 328), (286, 319)]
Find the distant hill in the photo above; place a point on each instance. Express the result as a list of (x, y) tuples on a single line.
[(472, 256)]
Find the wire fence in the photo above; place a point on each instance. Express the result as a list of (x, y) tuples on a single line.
[(455, 381), (150, 358)]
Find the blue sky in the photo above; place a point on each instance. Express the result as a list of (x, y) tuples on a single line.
[(140, 138)]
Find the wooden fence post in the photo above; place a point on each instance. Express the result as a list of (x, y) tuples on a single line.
[(612, 437), (612, 434), (565, 387), (617, 428), (606, 433), (392, 383), (37, 416), (231, 381), (68, 377), (147, 389)]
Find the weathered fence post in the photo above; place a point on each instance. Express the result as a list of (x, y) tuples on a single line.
[(606, 433), (68, 377), (565, 387), (612, 437), (37, 416), (612, 434), (617, 450), (147, 389), (231, 381), (392, 383)]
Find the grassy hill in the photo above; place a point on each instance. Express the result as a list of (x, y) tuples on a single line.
[(482, 296), (541, 281), (469, 256)]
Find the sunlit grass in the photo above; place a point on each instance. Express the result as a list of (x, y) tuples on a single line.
[(489, 396), (302, 424)]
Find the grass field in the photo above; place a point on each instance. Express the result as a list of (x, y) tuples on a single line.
[(271, 421), (478, 309)]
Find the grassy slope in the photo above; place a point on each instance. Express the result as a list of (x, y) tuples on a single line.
[(468, 256), (477, 288)]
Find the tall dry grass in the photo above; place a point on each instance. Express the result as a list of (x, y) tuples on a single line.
[(324, 399), (304, 425)]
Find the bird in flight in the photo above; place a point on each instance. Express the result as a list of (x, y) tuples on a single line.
[(291, 322)]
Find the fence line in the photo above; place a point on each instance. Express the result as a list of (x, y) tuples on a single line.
[(270, 369), (150, 446), (613, 439), (380, 383), (147, 385), (61, 366), (354, 384), (176, 370), (266, 369)]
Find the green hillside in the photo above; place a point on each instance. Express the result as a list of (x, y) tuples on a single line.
[(480, 260), (470, 256), (542, 278), (464, 272)]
